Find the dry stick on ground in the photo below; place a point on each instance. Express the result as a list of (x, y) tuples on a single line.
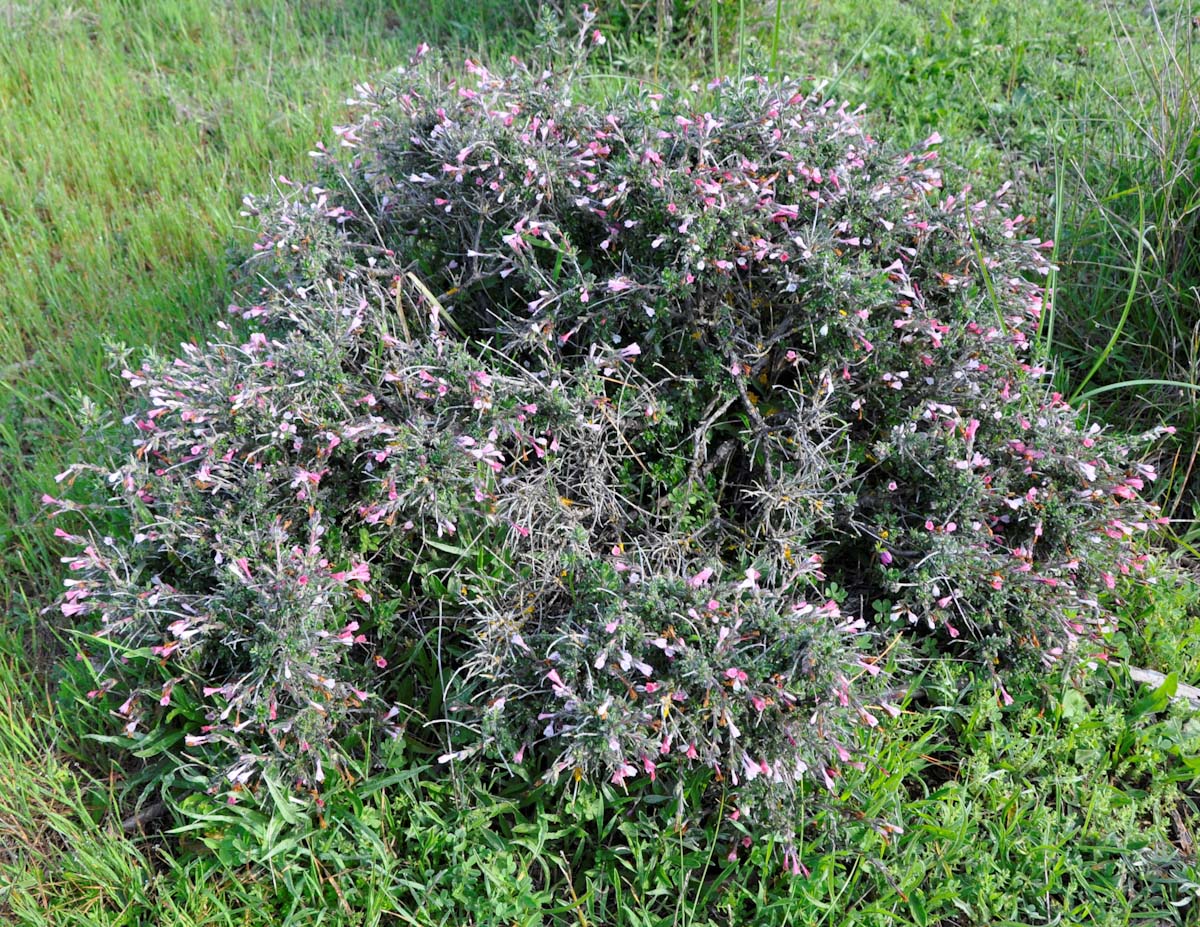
[(1189, 693), (143, 816)]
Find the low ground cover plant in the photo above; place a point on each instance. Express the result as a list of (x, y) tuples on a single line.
[(605, 442)]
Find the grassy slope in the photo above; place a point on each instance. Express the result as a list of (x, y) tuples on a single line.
[(128, 134)]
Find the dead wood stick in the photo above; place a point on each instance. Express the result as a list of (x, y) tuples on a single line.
[(143, 816), (1152, 678)]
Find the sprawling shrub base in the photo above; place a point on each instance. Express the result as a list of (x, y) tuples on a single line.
[(653, 420)]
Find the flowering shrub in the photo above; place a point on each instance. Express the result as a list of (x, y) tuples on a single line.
[(727, 674), (652, 408)]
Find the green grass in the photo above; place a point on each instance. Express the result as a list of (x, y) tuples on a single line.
[(129, 133), (1055, 810)]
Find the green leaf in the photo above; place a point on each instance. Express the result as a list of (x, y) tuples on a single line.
[(916, 904), (1169, 686), (1075, 705), (1157, 699), (448, 548), (286, 810)]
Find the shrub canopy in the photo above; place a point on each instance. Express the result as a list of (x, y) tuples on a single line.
[(641, 426)]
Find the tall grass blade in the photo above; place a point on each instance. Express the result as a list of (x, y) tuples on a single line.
[(1045, 334), (1133, 285), (1134, 384), (775, 39)]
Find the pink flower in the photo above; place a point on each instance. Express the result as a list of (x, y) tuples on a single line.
[(623, 772), (560, 688), (700, 578), (360, 572), (792, 864)]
